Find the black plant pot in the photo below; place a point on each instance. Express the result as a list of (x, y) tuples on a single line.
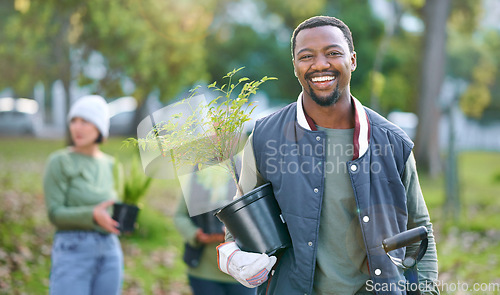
[(126, 215), (255, 221)]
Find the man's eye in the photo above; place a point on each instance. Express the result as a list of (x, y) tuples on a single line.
[(305, 57), (334, 53)]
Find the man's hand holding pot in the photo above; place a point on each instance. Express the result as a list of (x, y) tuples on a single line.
[(250, 269)]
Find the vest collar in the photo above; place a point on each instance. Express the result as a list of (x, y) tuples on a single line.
[(361, 125)]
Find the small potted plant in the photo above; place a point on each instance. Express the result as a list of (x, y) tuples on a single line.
[(210, 135), (131, 187)]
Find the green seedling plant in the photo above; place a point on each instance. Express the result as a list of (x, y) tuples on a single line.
[(132, 186), (212, 132)]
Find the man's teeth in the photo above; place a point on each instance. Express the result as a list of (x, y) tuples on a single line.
[(322, 79)]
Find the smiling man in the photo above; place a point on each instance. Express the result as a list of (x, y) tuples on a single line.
[(323, 62), (345, 179)]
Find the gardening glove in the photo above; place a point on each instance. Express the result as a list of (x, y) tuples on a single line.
[(250, 269)]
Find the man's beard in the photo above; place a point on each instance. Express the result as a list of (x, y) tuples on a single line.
[(326, 101)]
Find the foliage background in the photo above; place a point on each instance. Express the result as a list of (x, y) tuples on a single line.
[(166, 47)]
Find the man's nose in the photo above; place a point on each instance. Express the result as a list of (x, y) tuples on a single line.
[(321, 63)]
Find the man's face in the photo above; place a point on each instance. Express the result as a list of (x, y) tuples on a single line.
[(323, 64)]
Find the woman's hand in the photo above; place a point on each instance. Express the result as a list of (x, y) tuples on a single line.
[(208, 238), (102, 218)]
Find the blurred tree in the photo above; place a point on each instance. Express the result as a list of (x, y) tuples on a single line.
[(432, 76), (154, 45), (469, 57), (491, 41), (466, 65), (377, 79), (293, 12), (167, 46), (393, 77), (158, 45), (477, 97), (35, 45), (473, 57)]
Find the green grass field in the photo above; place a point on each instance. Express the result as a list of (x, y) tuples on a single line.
[(469, 250)]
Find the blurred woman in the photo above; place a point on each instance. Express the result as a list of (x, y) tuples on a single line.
[(79, 194), (202, 233)]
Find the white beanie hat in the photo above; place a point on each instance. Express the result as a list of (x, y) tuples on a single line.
[(92, 108)]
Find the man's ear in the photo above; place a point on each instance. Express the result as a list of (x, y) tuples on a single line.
[(294, 71), (354, 63)]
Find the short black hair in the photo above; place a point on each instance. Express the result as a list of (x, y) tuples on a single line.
[(319, 21), (100, 138)]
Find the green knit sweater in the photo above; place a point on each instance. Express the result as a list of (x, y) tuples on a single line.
[(74, 184)]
